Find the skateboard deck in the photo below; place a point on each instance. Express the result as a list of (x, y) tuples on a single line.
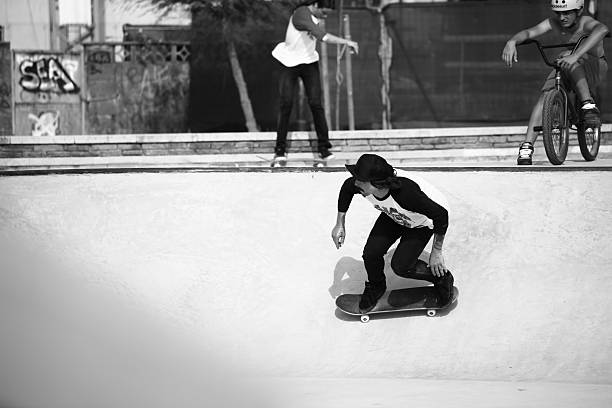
[(313, 161), (397, 300)]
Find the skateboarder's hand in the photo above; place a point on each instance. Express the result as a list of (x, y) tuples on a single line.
[(436, 263), (338, 235)]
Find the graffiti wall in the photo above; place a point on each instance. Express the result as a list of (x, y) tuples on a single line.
[(6, 114), (47, 96), (136, 95)]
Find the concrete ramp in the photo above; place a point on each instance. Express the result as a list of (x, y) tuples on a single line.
[(175, 285)]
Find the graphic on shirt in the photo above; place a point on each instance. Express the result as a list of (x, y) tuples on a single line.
[(396, 216)]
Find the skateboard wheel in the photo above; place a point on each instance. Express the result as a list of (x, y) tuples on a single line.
[(431, 313), (365, 318)]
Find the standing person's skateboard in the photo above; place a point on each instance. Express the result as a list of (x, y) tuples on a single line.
[(313, 161), (407, 299)]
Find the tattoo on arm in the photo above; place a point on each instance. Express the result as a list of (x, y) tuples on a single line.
[(438, 241)]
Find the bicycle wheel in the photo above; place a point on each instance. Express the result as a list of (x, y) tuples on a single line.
[(555, 131), (588, 140)]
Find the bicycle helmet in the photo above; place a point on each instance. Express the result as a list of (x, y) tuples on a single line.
[(566, 5)]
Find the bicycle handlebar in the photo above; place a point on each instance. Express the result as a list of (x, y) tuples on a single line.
[(541, 48)]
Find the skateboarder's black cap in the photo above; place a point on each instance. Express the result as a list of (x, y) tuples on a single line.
[(371, 167)]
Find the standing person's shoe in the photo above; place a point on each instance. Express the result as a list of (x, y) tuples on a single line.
[(590, 114), (371, 293), (280, 159), (326, 154), (444, 287), (525, 153)]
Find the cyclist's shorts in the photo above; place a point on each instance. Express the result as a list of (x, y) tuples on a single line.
[(595, 68)]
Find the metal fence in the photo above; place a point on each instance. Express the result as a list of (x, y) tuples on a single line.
[(442, 63)]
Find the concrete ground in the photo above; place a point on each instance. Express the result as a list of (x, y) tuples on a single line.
[(187, 289)]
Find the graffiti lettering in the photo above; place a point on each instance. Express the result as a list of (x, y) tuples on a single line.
[(46, 75), (45, 124), (152, 81), (99, 57)]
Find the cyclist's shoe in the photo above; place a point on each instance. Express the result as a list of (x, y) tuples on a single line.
[(372, 292), (525, 153), (444, 287), (279, 160), (590, 114), (325, 154)]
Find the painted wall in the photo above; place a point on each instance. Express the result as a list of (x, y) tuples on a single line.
[(47, 93), (141, 95)]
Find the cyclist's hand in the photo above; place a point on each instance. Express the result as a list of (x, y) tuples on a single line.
[(509, 55), (354, 47), (567, 61)]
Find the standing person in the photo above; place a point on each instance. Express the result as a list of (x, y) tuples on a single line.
[(586, 67), (411, 212), (299, 59)]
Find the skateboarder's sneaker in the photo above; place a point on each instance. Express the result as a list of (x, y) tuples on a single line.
[(525, 154), (280, 159), (444, 287), (371, 293), (590, 114), (326, 155)]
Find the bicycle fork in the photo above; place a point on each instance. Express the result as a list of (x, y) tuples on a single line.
[(558, 87)]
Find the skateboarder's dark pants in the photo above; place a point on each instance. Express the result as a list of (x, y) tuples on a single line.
[(405, 261), (311, 79)]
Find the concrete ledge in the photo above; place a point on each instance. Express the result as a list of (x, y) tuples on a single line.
[(271, 136), (459, 158)]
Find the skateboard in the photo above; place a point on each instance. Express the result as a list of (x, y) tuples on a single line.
[(397, 300), (315, 162)]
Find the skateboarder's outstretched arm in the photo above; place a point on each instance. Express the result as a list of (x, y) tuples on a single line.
[(347, 191)]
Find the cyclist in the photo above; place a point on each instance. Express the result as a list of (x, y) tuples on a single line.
[(586, 68)]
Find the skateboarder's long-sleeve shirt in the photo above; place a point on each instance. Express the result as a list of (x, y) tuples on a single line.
[(412, 205)]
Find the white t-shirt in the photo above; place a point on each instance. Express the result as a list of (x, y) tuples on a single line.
[(300, 45), (402, 216)]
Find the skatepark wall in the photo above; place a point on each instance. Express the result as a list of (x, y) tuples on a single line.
[(396, 142), (145, 277)]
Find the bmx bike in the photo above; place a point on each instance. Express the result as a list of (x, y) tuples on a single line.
[(560, 113)]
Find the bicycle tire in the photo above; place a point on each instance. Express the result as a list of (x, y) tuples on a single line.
[(589, 140), (555, 131)]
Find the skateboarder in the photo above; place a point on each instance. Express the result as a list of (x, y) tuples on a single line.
[(411, 212)]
